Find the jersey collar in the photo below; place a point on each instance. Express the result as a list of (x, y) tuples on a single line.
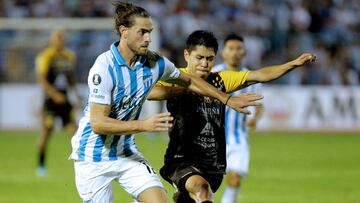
[(119, 59)]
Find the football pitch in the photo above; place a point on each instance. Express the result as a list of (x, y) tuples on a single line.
[(285, 168)]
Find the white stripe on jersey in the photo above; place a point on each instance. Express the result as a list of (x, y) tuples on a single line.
[(236, 131), (112, 82)]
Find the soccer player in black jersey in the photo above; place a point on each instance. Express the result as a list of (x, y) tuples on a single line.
[(195, 160)]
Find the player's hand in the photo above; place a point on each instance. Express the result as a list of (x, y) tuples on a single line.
[(251, 123), (303, 59), (243, 100), (59, 98), (158, 123)]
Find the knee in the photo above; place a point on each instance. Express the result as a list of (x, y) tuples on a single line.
[(199, 189), (202, 186), (234, 180), (198, 185)]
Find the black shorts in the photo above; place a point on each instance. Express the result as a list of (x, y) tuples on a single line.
[(63, 111), (178, 173)]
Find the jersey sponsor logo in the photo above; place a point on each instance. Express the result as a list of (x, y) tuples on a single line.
[(96, 79), (211, 111), (97, 96), (128, 102), (208, 129)]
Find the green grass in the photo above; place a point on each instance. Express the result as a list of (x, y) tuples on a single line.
[(285, 167)]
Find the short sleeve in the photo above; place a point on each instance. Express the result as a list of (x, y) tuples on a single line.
[(170, 71), (233, 80), (42, 63), (100, 84), (166, 84)]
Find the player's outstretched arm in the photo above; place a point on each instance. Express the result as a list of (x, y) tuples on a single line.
[(101, 123), (270, 73), (161, 92), (200, 86)]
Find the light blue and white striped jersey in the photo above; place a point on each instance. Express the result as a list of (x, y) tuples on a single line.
[(236, 131), (112, 82)]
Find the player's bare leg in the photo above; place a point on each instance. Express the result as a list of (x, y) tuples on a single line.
[(199, 189), (42, 144), (232, 190), (154, 194), (46, 129)]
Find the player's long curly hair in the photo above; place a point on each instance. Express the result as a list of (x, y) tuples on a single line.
[(125, 13)]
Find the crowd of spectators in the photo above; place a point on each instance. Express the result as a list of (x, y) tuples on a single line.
[(274, 31)]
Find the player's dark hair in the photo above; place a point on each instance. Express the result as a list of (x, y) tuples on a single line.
[(202, 38), (125, 13), (233, 36)]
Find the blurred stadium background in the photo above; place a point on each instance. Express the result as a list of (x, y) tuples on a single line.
[(306, 148)]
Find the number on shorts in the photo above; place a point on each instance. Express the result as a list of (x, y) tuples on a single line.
[(149, 168)]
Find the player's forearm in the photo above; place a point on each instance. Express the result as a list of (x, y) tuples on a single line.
[(270, 73), (48, 88), (160, 92), (273, 72), (259, 110), (200, 86), (109, 126)]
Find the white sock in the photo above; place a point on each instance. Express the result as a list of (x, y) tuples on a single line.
[(230, 195)]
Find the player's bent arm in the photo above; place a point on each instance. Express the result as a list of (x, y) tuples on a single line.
[(200, 86), (50, 89), (161, 92), (270, 73), (101, 123), (42, 68), (259, 111), (251, 123)]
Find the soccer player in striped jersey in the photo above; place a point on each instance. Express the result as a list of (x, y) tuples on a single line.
[(55, 67), (119, 81), (236, 124), (195, 160)]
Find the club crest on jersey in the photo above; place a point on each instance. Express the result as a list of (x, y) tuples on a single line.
[(147, 80), (96, 79)]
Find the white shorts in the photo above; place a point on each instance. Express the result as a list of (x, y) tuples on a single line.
[(94, 179), (238, 158)]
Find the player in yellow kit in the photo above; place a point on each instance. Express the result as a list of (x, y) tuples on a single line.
[(55, 71), (195, 160)]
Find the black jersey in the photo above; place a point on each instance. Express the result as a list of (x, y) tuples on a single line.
[(198, 134), (58, 67)]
